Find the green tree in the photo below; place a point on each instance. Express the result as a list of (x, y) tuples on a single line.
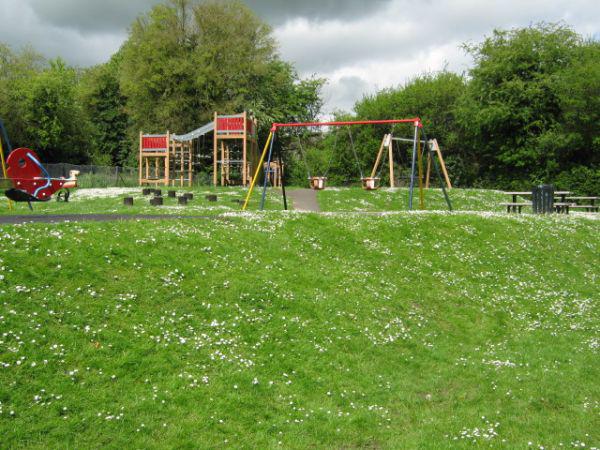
[(512, 115), (103, 103), (54, 122), (185, 60), (17, 70), (432, 97), (158, 73)]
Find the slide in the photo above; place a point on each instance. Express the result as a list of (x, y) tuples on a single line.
[(204, 129)]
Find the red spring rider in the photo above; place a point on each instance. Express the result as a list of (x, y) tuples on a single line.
[(30, 179)]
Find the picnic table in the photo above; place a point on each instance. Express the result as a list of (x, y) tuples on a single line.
[(591, 207), (516, 206), (561, 194)]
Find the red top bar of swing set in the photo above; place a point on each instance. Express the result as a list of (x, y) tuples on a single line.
[(275, 126)]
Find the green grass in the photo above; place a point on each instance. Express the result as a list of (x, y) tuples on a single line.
[(110, 201), (387, 199), (293, 330), (101, 201)]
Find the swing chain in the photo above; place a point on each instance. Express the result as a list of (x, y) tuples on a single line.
[(362, 176)]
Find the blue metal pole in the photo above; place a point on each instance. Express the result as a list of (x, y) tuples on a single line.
[(267, 169), (412, 169)]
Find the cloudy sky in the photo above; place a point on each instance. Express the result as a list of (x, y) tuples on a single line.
[(358, 45)]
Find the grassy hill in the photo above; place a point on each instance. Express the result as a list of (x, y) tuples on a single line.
[(107, 201), (396, 199), (110, 201), (280, 330)]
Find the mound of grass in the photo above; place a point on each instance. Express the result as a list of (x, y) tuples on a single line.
[(294, 331), (110, 201), (396, 199)]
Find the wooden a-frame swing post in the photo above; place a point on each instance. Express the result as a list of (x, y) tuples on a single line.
[(417, 156), (378, 159), (391, 160), (434, 147)]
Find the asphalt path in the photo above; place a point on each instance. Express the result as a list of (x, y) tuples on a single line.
[(58, 218), (304, 200)]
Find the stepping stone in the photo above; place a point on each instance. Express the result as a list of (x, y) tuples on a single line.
[(211, 198), (156, 201), (128, 201), (172, 194), (182, 200)]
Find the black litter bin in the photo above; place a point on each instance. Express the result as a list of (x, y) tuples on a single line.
[(542, 199)]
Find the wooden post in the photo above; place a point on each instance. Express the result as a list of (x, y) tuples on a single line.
[(228, 166), (442, 163), (191, 164), (167, 160), (391, 161), (245, 149), (420, 163), (222, 163), (181, 163), (428, 175), (156, 166), (141, 157), (379, 155), (215, 148)]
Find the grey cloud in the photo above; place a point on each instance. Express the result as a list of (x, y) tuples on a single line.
[(90, 15), (401, 31), (281, 10), (115, 15), (343, 94), (393, 39)]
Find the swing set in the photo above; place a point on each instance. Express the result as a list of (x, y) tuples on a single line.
[(371, 182)]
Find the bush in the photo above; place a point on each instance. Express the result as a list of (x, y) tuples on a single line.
[(580, 180)]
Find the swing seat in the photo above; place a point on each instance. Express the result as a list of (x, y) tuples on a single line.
[(317, 183), (370, 184)]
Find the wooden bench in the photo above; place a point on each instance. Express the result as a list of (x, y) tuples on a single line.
[(515, 207), (562, 208), (588, 208), (591, 206)]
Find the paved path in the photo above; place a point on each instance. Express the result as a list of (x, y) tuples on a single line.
[(48, 218), (304, 200)]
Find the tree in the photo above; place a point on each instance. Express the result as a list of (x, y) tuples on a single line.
[(430, 96), (103, 103), (157, 73), (185, 60), (54, 121), (17, 70), (511, 116)]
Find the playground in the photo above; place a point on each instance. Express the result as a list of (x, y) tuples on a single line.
[(194, 253), (170, 163), (251, 314)]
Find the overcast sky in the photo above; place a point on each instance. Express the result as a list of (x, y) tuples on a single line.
[(358, 45)]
